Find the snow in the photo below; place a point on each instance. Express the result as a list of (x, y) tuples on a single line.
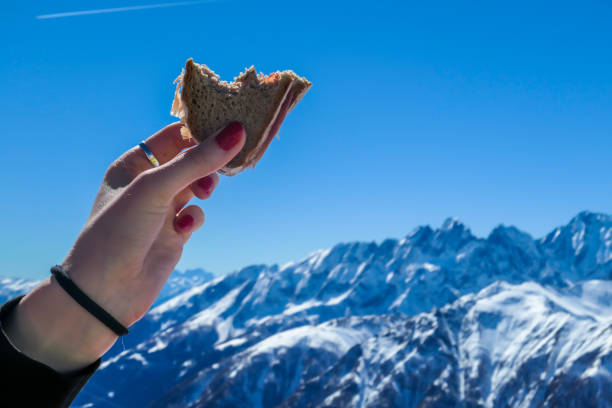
[(286, 266), (315, 258), (293, 309), (578, 240), (597, 370), (210, 316), (138, 357), (333, 339), (339, 299), (13, 287), (451, 223), (159, 345), (115, 359), (180, 300)]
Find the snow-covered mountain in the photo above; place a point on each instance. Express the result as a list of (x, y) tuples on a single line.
[(509, 345), (439, 318), (178, 282), (13, 287)]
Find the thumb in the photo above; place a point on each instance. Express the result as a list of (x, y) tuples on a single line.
[(162, 183)]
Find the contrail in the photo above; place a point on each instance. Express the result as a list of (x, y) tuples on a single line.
[(119, 9)]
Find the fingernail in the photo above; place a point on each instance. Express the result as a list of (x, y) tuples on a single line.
[(206, 183), (185, 222), (229, 136)]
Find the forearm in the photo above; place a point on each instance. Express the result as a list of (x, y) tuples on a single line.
[(50, 327)]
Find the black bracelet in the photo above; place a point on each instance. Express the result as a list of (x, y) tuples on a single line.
[(82, 299)]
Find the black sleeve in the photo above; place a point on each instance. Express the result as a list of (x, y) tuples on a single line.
[(25, 382)]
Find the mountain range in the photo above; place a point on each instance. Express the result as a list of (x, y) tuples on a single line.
[(439, 318)]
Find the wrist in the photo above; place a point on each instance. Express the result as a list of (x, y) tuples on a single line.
[(114, 292), (49, 326)]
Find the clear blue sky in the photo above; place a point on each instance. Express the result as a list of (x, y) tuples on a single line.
[(492, 114)]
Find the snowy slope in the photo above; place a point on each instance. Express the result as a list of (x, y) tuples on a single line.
[(509, 345), (178, 282), (263, 335), (13, 287)]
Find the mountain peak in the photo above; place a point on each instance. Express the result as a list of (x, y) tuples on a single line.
[(420, 233), (503, 233), (452, 223), (590, 218), (453, 234)]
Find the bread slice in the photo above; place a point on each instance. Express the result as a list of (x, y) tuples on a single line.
[(205, 104)]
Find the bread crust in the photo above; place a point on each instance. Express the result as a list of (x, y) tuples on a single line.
[(205, 104)]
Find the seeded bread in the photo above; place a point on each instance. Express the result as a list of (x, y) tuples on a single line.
[(205, 104)]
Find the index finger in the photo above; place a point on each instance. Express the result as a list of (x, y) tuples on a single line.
[(164, 182), (165, 145)]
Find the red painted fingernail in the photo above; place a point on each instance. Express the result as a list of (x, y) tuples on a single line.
[(185, 222), (206, 183), (229, 136)]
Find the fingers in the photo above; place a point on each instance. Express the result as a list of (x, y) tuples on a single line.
[(164, 145), (188, 220), (160, 185), (181, 199), (203, 187)]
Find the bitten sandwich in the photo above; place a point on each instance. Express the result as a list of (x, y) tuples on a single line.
[(260, 102)]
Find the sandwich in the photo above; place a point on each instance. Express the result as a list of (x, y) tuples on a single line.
[(259, 102)]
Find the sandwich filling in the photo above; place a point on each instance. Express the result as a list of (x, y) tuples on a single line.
[(274, 126)]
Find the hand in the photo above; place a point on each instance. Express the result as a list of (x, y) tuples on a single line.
[(137, 228), (130, 244)]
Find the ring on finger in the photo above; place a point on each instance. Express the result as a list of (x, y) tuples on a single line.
[(149, 154)]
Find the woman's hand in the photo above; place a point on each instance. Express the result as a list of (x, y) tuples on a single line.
[(137, 228), (129, 246)]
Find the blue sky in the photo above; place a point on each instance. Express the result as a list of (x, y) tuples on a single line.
[(492, 114)]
